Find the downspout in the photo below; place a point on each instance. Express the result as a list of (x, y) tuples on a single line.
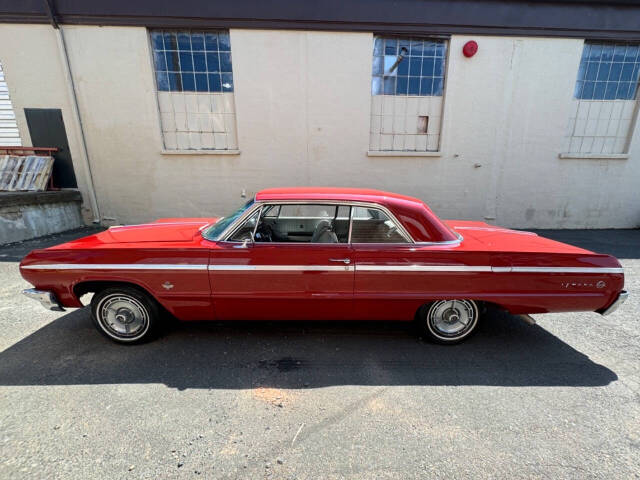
[(84, 155)]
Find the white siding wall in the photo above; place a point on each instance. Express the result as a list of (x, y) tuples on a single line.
[(9, 135), (303, 106)]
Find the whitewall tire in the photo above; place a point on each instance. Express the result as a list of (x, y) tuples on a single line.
[(125, 314), (449, 321)]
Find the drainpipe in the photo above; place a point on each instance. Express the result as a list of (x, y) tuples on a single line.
[(84, 155)]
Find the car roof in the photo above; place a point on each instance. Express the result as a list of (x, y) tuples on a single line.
[(332, 193), (416, 217)]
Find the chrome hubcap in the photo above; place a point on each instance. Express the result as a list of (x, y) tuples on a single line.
[(123, 316), (452, 318)]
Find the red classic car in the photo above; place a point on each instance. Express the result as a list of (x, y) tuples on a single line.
[(320, 254)]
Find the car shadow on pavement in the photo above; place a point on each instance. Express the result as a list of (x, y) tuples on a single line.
[(241, 355)]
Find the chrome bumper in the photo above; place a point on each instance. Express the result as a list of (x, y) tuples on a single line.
[(622, 296), (46, 298)]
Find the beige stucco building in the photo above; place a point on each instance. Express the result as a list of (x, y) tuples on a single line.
[(508, 135)]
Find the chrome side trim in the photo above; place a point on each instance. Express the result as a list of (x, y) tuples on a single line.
[(495, 229), (423, 268), (365, 267), (501, 269), (155, 224), (281, 268), (485, 268), (622, 297), (45, 297), (115, 266), (566, 270), (457, 241)]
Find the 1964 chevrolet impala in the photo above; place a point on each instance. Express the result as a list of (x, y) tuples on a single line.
[(320, 254)]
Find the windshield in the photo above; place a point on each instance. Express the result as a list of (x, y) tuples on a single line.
[(214, 231)]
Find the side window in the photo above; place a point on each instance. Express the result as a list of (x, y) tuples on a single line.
[(304, 223), (371, 225), (271, 211), (245, 232)]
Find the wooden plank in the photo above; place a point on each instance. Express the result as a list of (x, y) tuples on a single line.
[(41, 174), (25, 173), (11, 170)]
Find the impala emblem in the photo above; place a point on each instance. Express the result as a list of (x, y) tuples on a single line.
[(167, 285), (601, 284)]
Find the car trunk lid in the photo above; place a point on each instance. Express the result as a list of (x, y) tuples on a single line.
[(485, 237)]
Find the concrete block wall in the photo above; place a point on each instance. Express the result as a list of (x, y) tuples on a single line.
[(34, 214)]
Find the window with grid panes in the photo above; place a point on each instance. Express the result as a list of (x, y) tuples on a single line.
[(194, 80), (407, 87), (604, 103)]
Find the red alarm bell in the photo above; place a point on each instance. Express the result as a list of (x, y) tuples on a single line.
[(470, 48)]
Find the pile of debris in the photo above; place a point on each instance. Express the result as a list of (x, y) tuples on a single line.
[(29, 173)]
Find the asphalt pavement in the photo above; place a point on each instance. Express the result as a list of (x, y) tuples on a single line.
[(295, 400)]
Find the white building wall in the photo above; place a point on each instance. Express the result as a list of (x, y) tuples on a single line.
[(303, 106), (33, 70)]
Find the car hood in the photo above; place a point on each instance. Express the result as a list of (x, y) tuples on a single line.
[(162, 230)]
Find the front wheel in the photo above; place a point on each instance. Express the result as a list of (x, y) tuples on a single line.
[(125, 314), (449, 321)]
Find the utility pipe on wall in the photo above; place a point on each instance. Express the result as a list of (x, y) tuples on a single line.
[(84, 155)]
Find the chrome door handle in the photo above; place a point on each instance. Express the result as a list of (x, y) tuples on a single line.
[(346, 261)]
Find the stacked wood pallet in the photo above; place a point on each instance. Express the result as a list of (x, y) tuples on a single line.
[(25, 173)]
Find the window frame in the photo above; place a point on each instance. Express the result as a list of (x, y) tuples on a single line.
[(257, 211), (581, 78), (164, 150), (446, 39), (207, 72), (231, 230)]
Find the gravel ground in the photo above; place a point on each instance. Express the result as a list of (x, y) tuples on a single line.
[(315, 400)]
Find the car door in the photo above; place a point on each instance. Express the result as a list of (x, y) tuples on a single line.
[(379, 244), (270, 269), (394, 276)]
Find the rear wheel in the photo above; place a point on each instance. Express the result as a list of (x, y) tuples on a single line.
[(449, 321), (125, 314)]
